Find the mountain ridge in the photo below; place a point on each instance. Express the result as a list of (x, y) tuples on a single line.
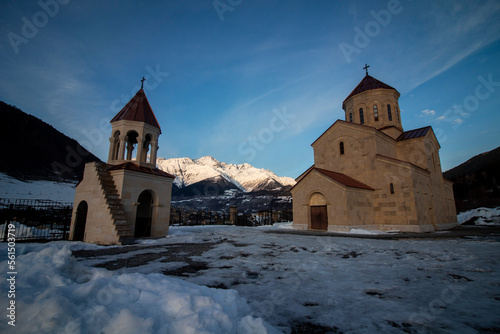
[(244, 176), (476, 181), (57, 156)]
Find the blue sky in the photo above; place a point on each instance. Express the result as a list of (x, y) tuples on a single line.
[(253, 81)]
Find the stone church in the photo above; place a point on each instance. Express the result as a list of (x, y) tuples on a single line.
[(127, 197), (370, 174)]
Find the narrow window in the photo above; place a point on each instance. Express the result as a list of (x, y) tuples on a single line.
[(391, 186), (350, 117), (375, 112), (341, 147), (361, 116), (389, 113), (397, 114)]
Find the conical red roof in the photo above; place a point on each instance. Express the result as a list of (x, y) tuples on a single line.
[(137, 109), (368, 83)]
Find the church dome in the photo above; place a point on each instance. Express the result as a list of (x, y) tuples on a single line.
[(374, 103), (368, 83)]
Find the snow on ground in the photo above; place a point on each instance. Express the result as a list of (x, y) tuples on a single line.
[(263, 279), (356, 285), (482, 216), (16, 189), (57, 294)]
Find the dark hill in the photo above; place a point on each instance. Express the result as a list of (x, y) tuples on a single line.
[(476, 181), (34, 150)]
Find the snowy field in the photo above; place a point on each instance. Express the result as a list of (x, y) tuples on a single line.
[(13, 188), (248, 280)]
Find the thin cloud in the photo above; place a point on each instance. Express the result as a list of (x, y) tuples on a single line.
[(427, 112), (456, 38)]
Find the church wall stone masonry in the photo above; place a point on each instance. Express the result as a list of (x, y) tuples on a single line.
[(128, 197), (369, 173)]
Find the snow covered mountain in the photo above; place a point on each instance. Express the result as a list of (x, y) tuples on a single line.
[(244, 177)]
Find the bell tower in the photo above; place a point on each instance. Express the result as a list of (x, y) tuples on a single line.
[(134, 134), (128, 197)]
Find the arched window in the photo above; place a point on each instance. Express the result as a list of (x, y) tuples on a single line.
[(361, 116), (391, 187), (389, 113), (350, 117), (375, 112), (341, 148)]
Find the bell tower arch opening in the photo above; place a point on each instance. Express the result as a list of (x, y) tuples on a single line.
[(131, 145)]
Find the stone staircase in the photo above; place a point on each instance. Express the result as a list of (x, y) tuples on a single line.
[(120, 221)]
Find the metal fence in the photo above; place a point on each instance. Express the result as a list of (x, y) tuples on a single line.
[(185, 216), (34, 220)]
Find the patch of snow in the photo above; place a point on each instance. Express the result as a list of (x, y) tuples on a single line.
[(56, 293), (16, 189), (366, 232), (285, 225), (485, 216)]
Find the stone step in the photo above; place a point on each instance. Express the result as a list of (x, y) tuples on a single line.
[(123, 230), (117, 211), (109, 187)]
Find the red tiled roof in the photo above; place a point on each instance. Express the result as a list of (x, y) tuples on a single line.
[(137, 109), (413, 133), (368, 83), (339, 177), (133, 167), (344, 179)]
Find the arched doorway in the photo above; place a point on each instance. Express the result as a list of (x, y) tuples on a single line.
[(319, 212), (144, 214), (80, 221)]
